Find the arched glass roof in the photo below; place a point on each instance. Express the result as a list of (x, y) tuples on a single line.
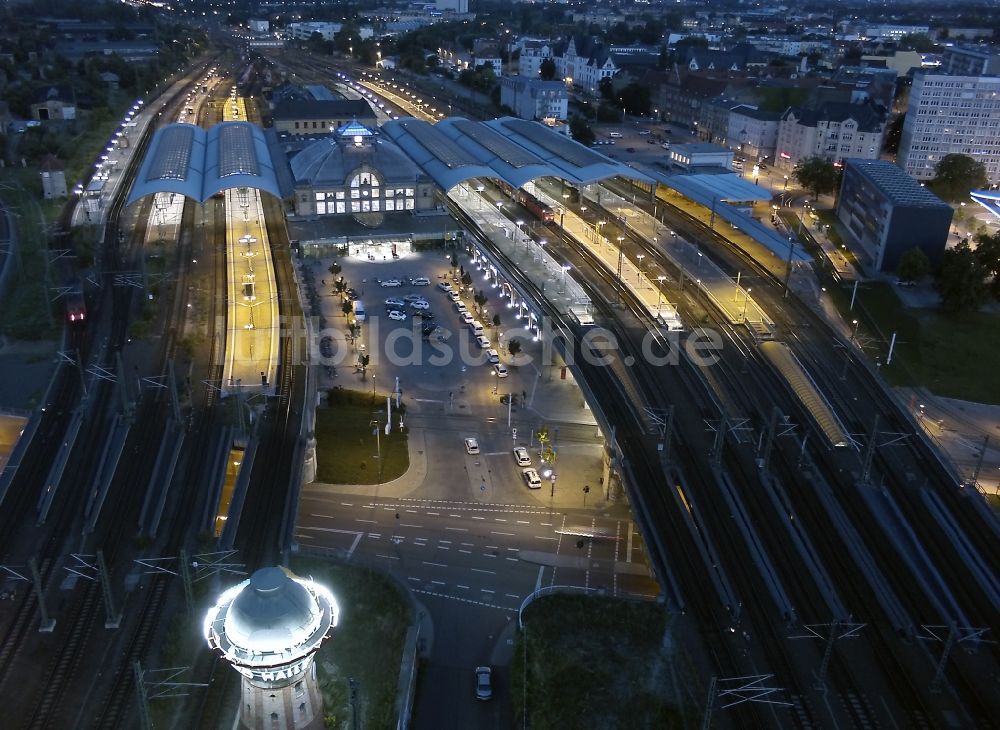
[(514, 150), (198, 163)]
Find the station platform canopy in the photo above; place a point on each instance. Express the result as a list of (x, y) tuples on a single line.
[(719, 193), (198, 163), (514, 150), (989, 199)]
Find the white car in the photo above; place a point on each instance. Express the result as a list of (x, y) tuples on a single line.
[(454, 296), (482, 341), (421, 281), (397, 315), (521, 456), (471, 446), (501, 370), (444, 286), (391, 282), (460, 306), (466, 317), (394, 302), (413, 298), (420, 304), (492, 356), (532, 479)]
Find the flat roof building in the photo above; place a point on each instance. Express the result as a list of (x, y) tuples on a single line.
[(888, 213), (302, 117)]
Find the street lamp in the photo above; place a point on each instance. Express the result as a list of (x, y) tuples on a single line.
[(638, 277), (659, 292), (746, 299), (786, 183)]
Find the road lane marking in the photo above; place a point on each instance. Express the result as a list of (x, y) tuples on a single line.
[(443, 547), (498, 519), (628, 556), (454, 515), (545, 524), (346, 504), (445, 542), (486, 590), (358, 519), (483, 570), (436, 514), (462, 587), (513, 559), (375, 535), (391, 557), (538, 581), (523, 522), (492, 547), (545, 537), (438, 582), (467, 544), (509, 609), (415, 579), (477, 517), (489, 555), (436, 565), (404, 524), (457, 529), (354, 543), (467, 552), (512, 595), (412, 511), (506, 534)]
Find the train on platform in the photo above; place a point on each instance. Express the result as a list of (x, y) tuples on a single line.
[(529, 201), (76, 305)]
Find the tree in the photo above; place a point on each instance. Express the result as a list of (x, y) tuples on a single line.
[(988, 254), (913, 265), (514, 347), (581, 131), (347, 307), (816, 174), (480, 299), (961, 280), (957, 174), (547, 69), (607, 88), (335, 268), (454, 261), (496, 320), (467, 279)]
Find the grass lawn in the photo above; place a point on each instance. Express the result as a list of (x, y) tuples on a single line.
[(954, 357), (346, 448), (593, 662), (27, 311), (366, 646)]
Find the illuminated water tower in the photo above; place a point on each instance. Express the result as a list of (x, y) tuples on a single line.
[(269, 628)]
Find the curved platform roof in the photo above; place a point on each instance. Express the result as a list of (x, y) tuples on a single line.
[(514, 150), (198, 163), (989, 199)]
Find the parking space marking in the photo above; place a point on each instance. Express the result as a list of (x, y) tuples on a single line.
[(436, 565), (373, 522), (462, 587), (499, 519), (375, 535), (404, 524), (467, 552), (457, 529), (483, 570), (505, 534)]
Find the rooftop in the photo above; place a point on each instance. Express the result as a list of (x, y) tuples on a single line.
[(322, 109), (897, 185)]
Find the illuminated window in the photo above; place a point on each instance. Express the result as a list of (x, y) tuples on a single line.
[(341, 207), (390, 204), (340, 195), (409, 203)]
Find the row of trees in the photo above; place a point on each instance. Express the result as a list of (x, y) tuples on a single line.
[(969, 276)]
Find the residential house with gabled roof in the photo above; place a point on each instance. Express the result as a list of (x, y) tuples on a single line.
[(834, 130), (584, 61)]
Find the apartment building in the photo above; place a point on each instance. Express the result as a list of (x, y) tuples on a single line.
[(833, 130), (534, 99), (951, 114)]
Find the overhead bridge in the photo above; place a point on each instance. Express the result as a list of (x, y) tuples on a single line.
[(782, 359)]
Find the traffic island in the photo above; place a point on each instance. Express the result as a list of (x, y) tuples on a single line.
[(352, 445)]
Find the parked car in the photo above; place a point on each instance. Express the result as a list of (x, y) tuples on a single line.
[(420, 304), (471, 446), (501, 370), (413, 298), (460, 307), (482, 341), (397, 315), (532, 479), (394, 302), (390, 282), (484, 683), (521, 456), (444, 286), (466, 317), (453, 296), (492, 356), (421, 281)]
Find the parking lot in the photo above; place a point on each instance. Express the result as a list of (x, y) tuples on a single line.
[(638, 141), (418, 335)]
